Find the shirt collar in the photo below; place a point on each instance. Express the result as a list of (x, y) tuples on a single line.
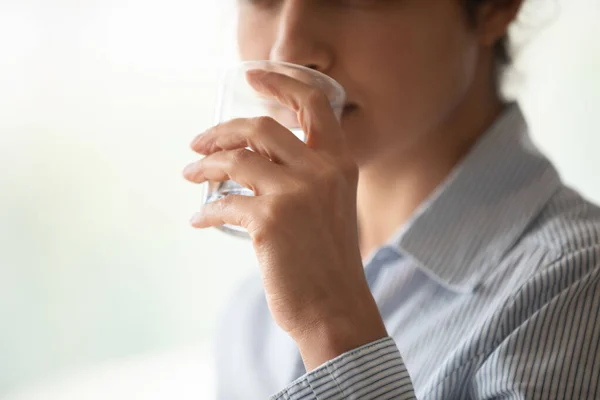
[(482, 208)]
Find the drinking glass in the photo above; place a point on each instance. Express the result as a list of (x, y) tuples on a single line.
[(238, 99)]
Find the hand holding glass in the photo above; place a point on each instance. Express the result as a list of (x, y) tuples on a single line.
[(237, 99)]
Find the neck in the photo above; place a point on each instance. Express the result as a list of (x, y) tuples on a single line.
[(391, 189)]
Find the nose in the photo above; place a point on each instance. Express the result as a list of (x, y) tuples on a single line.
[(300, 38)]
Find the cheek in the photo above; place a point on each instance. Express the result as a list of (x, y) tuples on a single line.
[(416, 77)]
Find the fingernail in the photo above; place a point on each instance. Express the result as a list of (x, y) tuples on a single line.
[(188, 168), (196, 218), (257, 76), (196, 139), (257, 72)]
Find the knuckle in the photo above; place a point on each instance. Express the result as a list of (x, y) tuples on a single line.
[(263, 123), (263, 222), (274, 211), (249, 221), (239, 156), (226, 203), (260, 236)]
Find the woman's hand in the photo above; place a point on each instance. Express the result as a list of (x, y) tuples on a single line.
[(302, 221)]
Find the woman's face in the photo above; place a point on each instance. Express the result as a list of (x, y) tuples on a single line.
[(405, 64)]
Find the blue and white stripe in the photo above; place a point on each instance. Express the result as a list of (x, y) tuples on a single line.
[(491, 291)]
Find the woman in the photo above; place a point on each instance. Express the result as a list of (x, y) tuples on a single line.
[(422, 248)]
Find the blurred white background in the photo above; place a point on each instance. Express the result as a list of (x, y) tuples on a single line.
[(105, 292)]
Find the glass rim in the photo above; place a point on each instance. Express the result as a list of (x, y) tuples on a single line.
[(340, 97)]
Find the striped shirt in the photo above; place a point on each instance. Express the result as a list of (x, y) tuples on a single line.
[(490, 291)]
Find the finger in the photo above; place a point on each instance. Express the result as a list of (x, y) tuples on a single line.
[(315, 114), (243, 166), (232, 209), (263, 135)]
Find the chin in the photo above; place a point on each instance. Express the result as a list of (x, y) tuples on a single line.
[(362, 146)]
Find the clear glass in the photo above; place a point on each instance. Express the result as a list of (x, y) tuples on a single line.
[(237, 99)]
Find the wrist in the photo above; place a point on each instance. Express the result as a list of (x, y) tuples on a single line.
[(336, 335)]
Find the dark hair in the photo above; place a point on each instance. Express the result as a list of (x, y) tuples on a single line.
[(501, 48)]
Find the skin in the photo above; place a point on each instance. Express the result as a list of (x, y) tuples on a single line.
[(421, 88)]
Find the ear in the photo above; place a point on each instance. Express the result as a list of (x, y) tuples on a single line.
[(494, 17)]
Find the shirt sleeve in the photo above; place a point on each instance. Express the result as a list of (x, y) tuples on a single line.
[(373, 371)]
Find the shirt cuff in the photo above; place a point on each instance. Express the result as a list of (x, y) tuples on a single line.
[(373, 371)]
